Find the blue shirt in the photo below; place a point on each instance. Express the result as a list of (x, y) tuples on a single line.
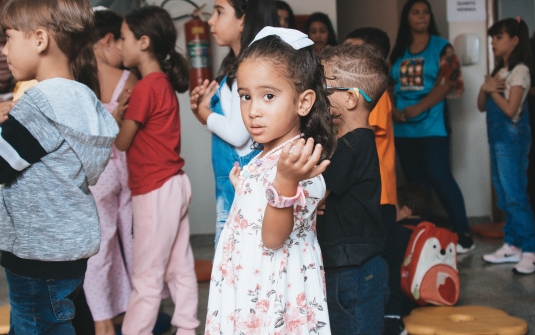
[(415, 75)]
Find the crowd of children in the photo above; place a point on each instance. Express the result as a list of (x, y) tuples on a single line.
[(311, 223)]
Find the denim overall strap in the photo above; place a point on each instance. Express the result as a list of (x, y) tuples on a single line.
[(509, 144), (224, 156)]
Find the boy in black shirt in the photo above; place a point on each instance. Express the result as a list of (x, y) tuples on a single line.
[(350, 232)]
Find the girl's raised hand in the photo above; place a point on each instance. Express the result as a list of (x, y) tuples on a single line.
[(300, 162), (493, 84), (196, 95), (204, 110)]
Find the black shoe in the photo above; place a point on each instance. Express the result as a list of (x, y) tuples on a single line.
[(465, 244), (163, 324), (394, 326)]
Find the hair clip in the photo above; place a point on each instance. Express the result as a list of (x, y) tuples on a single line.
[(518, 18), (293, 37)]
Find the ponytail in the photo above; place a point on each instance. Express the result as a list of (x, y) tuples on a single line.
[(156, 23), (84, 68), (176, 68)]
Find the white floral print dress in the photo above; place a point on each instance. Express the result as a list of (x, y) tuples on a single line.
[(255, 290)]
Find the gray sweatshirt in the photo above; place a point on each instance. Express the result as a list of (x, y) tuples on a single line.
[(54, 145)]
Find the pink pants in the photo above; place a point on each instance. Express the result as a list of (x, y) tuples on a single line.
[(162, 254), (107, 279)]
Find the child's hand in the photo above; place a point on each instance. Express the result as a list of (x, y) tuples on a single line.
[(204, 103), (398, 116), (5, 108), (235, 174), (200, 98), (299, 163), (493, 84), (122, 106), (321, 209), (196, 95)]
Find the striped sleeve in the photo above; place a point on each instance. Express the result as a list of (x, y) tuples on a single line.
[(18, 149)]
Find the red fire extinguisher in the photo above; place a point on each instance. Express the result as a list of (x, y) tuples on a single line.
[(198, 46)]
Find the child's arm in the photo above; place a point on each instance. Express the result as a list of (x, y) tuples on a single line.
[(491, 85), (127, 132), (509, 107), (293, 167), (18, 148), (397, 115), (200, 98), (436, 95), (127, 128)]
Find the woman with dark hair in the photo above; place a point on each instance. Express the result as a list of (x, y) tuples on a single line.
[(234, 23), (320, 30), (425, 70), (286, 14)]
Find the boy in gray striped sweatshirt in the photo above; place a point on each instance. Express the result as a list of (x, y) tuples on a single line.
[(54, 144)]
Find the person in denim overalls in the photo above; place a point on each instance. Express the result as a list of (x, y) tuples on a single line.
[(224, 156), (503, 96)]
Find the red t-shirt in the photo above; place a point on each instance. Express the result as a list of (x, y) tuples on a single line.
[(154, 155)]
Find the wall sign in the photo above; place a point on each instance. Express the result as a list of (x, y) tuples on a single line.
[(466, 10)]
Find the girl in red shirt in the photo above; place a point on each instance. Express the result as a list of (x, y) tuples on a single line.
[(161, 191)]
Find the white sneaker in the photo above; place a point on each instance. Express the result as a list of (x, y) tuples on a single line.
[(506, 254), (526, 265)]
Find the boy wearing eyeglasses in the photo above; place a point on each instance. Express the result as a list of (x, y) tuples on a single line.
[(350, 231)]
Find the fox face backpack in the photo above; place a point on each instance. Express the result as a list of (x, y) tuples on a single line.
[(429, 272)]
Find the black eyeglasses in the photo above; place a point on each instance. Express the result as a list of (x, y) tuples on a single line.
[(354, 89)]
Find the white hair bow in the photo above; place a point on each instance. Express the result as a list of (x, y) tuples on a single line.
[(293, 37)]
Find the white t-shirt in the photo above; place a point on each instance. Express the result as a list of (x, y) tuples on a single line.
[(519, 76), (230, 127)]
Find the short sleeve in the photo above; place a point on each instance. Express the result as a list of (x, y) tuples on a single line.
[(450, 72), (520, 77), (379, 116), (139, 106), (314, 190)]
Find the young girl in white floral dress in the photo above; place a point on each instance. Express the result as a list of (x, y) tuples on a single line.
[(268, 273)]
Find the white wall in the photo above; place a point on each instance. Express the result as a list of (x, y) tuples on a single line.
[(470, 154), (196, 141)]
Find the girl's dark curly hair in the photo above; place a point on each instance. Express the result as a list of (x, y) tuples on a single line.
[(156, 23), (404, 38), (522, 51), (303, 68)]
